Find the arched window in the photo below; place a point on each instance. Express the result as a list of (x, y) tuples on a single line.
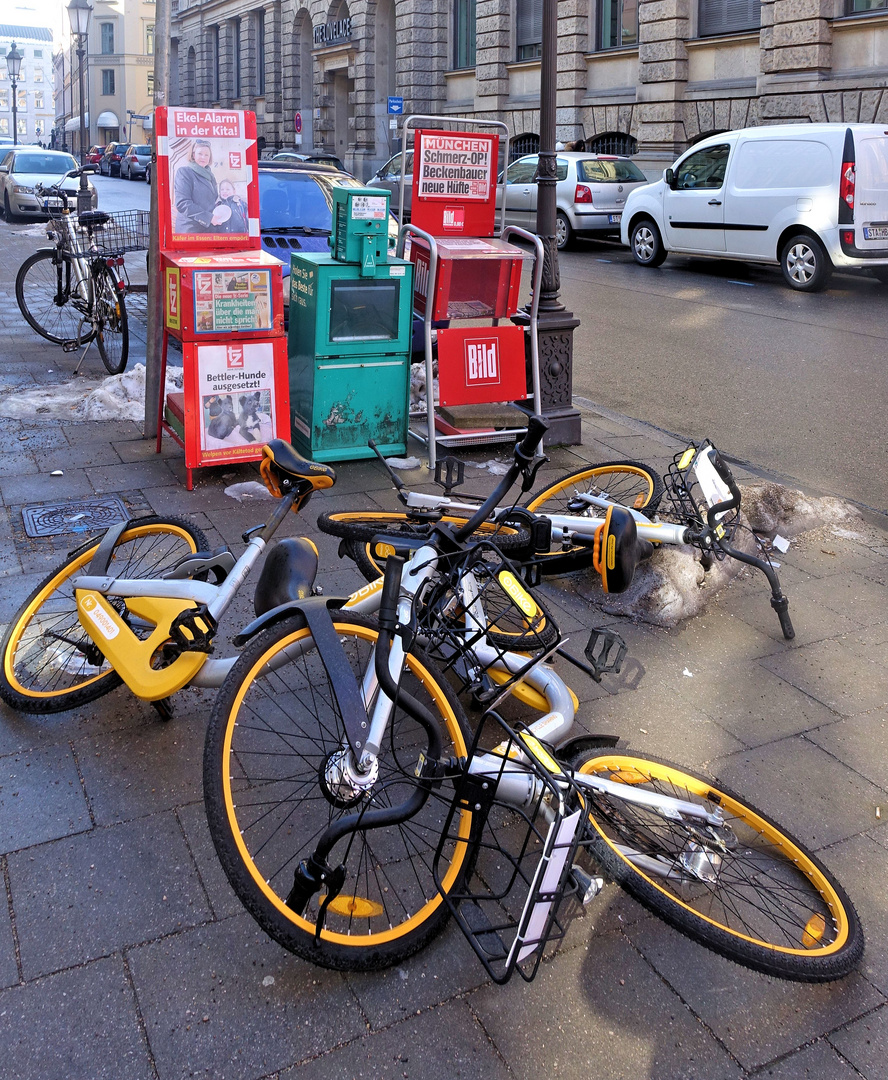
[(612, 142), (527, 143)]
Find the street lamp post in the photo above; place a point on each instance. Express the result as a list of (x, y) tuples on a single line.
[(14, 67), (556, 325), (79, 12)]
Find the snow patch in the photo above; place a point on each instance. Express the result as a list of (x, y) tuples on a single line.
[(117, 397)]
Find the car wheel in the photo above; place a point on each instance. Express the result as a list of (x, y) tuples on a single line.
[(881, 273), (647, 244), (7, 209), (563, 232), (805, 263)]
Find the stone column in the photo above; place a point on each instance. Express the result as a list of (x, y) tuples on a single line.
[(663, 26), (493, 50)]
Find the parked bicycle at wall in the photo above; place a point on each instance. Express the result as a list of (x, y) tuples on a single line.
[(74, 293)]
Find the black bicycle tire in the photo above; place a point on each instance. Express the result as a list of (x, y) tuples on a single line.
[(43, 702), (21, 296), (114, 367), (796, 869), (231, 818)]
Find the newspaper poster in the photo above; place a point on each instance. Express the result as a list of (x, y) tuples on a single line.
[(453, 166), (229, 301), (236, 394), (209, 174)]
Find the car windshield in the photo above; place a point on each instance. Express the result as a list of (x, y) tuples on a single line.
[(44, 164), (298, 200), (609, 171)]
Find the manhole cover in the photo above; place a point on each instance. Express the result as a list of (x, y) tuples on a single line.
[(83, 515)]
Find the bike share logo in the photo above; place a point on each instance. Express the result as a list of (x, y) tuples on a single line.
[(102, 620), (234, 356), (482, 362)]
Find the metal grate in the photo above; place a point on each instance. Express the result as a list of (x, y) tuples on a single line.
[(80, 516), (613, 142)]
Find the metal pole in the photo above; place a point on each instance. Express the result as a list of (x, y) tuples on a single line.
[(154, 345), (14, 111), (81, 52)]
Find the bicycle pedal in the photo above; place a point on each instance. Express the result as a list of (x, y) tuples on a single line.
[(70, 346), (605, 652), (193, 630)]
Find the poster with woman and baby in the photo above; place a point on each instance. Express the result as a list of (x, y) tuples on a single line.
[(207, 168)]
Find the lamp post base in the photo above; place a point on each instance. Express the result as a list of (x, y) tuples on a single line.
[(556, 376)]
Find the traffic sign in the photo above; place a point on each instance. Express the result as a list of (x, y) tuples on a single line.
[(138, 116), (297, 123), (396, 105)]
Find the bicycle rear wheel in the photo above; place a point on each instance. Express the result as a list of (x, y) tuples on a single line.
[(358, 530), (49, 662), (747, 890), (112, 328), (46, 293), (275, 777)]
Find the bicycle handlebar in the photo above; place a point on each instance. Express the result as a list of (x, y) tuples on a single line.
[(523, 459)]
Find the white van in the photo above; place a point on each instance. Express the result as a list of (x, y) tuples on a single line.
[(811, 197)]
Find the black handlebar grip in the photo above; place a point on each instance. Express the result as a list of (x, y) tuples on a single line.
[(536, 429), (387, 616), (781, 605), (723, 469)]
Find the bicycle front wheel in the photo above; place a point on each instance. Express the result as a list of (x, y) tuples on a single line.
[(275, 777), (46, 291), (112, 328), (745, 889), (49, 661), (358, 530)]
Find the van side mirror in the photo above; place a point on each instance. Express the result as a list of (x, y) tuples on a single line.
[(669, 177)]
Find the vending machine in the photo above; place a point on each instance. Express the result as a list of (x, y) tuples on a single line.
[(350, 336)]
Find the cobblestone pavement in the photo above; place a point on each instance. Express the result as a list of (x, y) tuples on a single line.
[(124, 954)]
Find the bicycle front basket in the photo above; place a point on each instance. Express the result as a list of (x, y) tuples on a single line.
[(689, 501), (125, 230), (478, 617), (509, 903)]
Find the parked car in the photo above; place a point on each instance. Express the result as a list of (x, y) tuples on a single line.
[(22, 168), (148, 172), (109, 164), (590, 193), (94, 155), (808, 197), (389, 178), (312, 157), (135, 161)]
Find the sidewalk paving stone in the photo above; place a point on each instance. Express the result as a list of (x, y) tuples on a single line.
[(865, 1043), (61, 807)]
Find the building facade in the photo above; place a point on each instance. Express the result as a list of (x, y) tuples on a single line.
[(645, 76), (34, 105), (118, 76)]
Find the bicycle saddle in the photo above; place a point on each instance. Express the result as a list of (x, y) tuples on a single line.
[(92, 218), (618, 549), (283, 469)]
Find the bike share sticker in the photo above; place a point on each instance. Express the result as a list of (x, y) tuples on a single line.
[(236, 389), (102, 620)]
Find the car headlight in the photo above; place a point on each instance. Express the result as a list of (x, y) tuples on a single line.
[(20, 189)]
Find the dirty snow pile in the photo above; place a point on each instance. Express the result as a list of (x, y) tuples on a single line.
[(672, 585), (118, 397), (418, 404)]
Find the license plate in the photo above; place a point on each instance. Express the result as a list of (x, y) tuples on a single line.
[(615, 219), (880, 233)]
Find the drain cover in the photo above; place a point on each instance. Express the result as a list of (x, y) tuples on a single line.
[(81, 516)]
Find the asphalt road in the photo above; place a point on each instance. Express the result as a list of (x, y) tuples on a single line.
[(789, 382)]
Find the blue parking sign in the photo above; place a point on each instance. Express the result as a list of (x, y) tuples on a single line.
[(396, 105)]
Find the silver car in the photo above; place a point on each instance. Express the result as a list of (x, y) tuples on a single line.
[(389, 178), (23, 168), (590, 193)]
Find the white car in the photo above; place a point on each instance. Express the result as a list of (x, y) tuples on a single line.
[(809, 197), (22, 168)]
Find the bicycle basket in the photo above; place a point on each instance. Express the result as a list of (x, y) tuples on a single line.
[(509, 902), (477, 617), (125, 230), (689, 501)]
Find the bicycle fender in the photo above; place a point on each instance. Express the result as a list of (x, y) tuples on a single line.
[(102, 559), (283, 611)]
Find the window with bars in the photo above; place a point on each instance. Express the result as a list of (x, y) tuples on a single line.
[(529, 29), (613, 142), (464, 19), (523, 144), (728, 16), (618, 23)]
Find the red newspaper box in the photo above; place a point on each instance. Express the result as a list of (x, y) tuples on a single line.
[(476, 279)]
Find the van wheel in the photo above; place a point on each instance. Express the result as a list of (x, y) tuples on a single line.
[(647, 244), (880, 273), (805, 264)]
